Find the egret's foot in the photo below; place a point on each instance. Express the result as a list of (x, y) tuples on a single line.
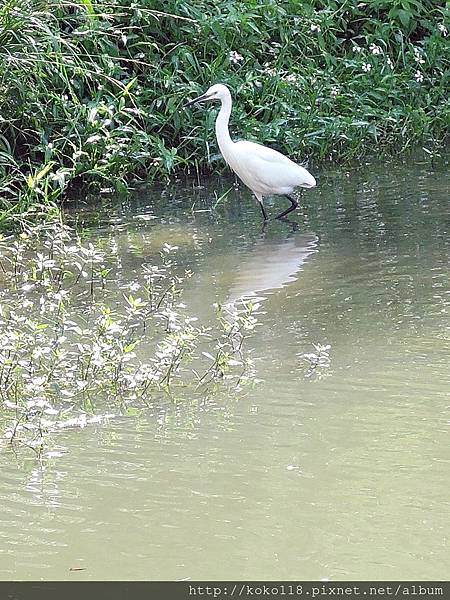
[(294, 204), (282, 216)]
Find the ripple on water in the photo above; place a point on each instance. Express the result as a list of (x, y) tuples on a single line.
[(341, 472)]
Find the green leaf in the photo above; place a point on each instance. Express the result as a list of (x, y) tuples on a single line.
[(43, 172), (89, 7), (404, 17), (128, 87)]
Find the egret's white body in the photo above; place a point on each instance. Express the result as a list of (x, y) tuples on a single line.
[(263, 170)]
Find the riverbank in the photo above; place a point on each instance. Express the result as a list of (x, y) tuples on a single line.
[(91, 93)]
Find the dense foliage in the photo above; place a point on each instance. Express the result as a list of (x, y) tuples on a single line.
[(92, 92)]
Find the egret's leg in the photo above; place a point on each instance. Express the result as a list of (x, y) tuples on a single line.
[(260, 202), (294, 225), (294, 204)]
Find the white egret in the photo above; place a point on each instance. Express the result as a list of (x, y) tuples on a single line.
[(263, 170)]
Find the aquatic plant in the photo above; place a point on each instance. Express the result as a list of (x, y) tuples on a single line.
[(91, 92), (318, 361), (77, 349)]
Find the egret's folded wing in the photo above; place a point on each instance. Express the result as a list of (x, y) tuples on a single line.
[(268, 167)]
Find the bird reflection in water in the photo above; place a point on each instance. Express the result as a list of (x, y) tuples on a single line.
[(271, 264)]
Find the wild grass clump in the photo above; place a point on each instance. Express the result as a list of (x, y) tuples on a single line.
[(78, 347), (91, 92)]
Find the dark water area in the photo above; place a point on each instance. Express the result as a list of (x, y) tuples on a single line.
[(335, 464)]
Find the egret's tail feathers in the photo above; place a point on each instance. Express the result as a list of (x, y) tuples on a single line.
[(309, 182)]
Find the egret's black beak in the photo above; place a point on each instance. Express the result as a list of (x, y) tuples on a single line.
[(195, 100)]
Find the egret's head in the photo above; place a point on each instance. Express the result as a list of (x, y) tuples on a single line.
[(215, 92)]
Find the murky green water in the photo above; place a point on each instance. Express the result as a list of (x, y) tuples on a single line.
[(337, 472)]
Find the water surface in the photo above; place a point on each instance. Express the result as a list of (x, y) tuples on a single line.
[(339, 471)]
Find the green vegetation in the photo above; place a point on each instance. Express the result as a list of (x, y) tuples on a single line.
[(91, 92), (76, 349)]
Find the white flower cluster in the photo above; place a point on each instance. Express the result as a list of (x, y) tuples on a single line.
[(69, 336), (375, 49), (334, 91), (418, 56), (235, 57)]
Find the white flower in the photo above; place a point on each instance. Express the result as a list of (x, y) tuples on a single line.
[(443, 29), (389, 62), (357, 48), (418, 77), (375, 49), (93, 139), (366, 67), (334, 91), (274, 48), (9, 404), (291, 78), (40, 351), (315, 28), (235, 57), (167, 248), (36, 383), (38, 403), (418, 56)]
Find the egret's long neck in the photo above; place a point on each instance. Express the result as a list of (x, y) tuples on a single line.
[(223, 135)]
